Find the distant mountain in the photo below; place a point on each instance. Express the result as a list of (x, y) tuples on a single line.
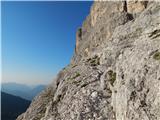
[(12, 106), (16, 89), (15, 86), (21, 90), (36, 90)]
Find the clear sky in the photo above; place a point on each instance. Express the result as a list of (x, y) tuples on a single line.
[(38, 38)]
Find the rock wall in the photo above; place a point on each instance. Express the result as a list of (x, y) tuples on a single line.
[(115, 71)]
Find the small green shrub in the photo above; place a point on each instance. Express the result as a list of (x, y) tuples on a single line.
[(77, 75), (74, 77), (74, 66), (94, 61), (156, 56), (112, 76)]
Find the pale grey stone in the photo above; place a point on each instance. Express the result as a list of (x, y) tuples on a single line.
[(115, 71)]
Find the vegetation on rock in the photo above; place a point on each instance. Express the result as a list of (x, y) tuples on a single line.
[(156, 56)]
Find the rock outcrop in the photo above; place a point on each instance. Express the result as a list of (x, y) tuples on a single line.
[(115, 71)]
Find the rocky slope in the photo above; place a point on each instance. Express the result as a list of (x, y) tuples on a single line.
[(115, 71)]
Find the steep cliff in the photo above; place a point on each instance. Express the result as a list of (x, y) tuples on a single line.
[(115, 71)]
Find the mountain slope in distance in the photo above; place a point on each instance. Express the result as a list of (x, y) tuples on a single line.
[(21, 90), (12, 106)]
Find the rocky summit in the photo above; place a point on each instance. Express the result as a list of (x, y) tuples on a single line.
[(115, 71)]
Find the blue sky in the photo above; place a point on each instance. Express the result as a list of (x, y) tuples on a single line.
[(38, 38)]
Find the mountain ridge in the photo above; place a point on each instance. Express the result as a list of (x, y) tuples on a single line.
[(12, 106), (115, 71), (21, 90)]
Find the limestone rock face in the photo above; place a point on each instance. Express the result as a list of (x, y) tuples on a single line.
[(108, 8), (115, 71), (136, 6)]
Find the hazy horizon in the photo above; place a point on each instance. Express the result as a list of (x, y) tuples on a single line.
[(29, 85), (38, 38)]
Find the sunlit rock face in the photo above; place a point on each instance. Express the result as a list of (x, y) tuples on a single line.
[(115, 71), (136, 6)]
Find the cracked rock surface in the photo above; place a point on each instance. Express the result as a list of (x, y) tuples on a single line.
[(115, 71)]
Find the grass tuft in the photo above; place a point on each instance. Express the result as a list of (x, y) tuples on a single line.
[(156, 56)]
